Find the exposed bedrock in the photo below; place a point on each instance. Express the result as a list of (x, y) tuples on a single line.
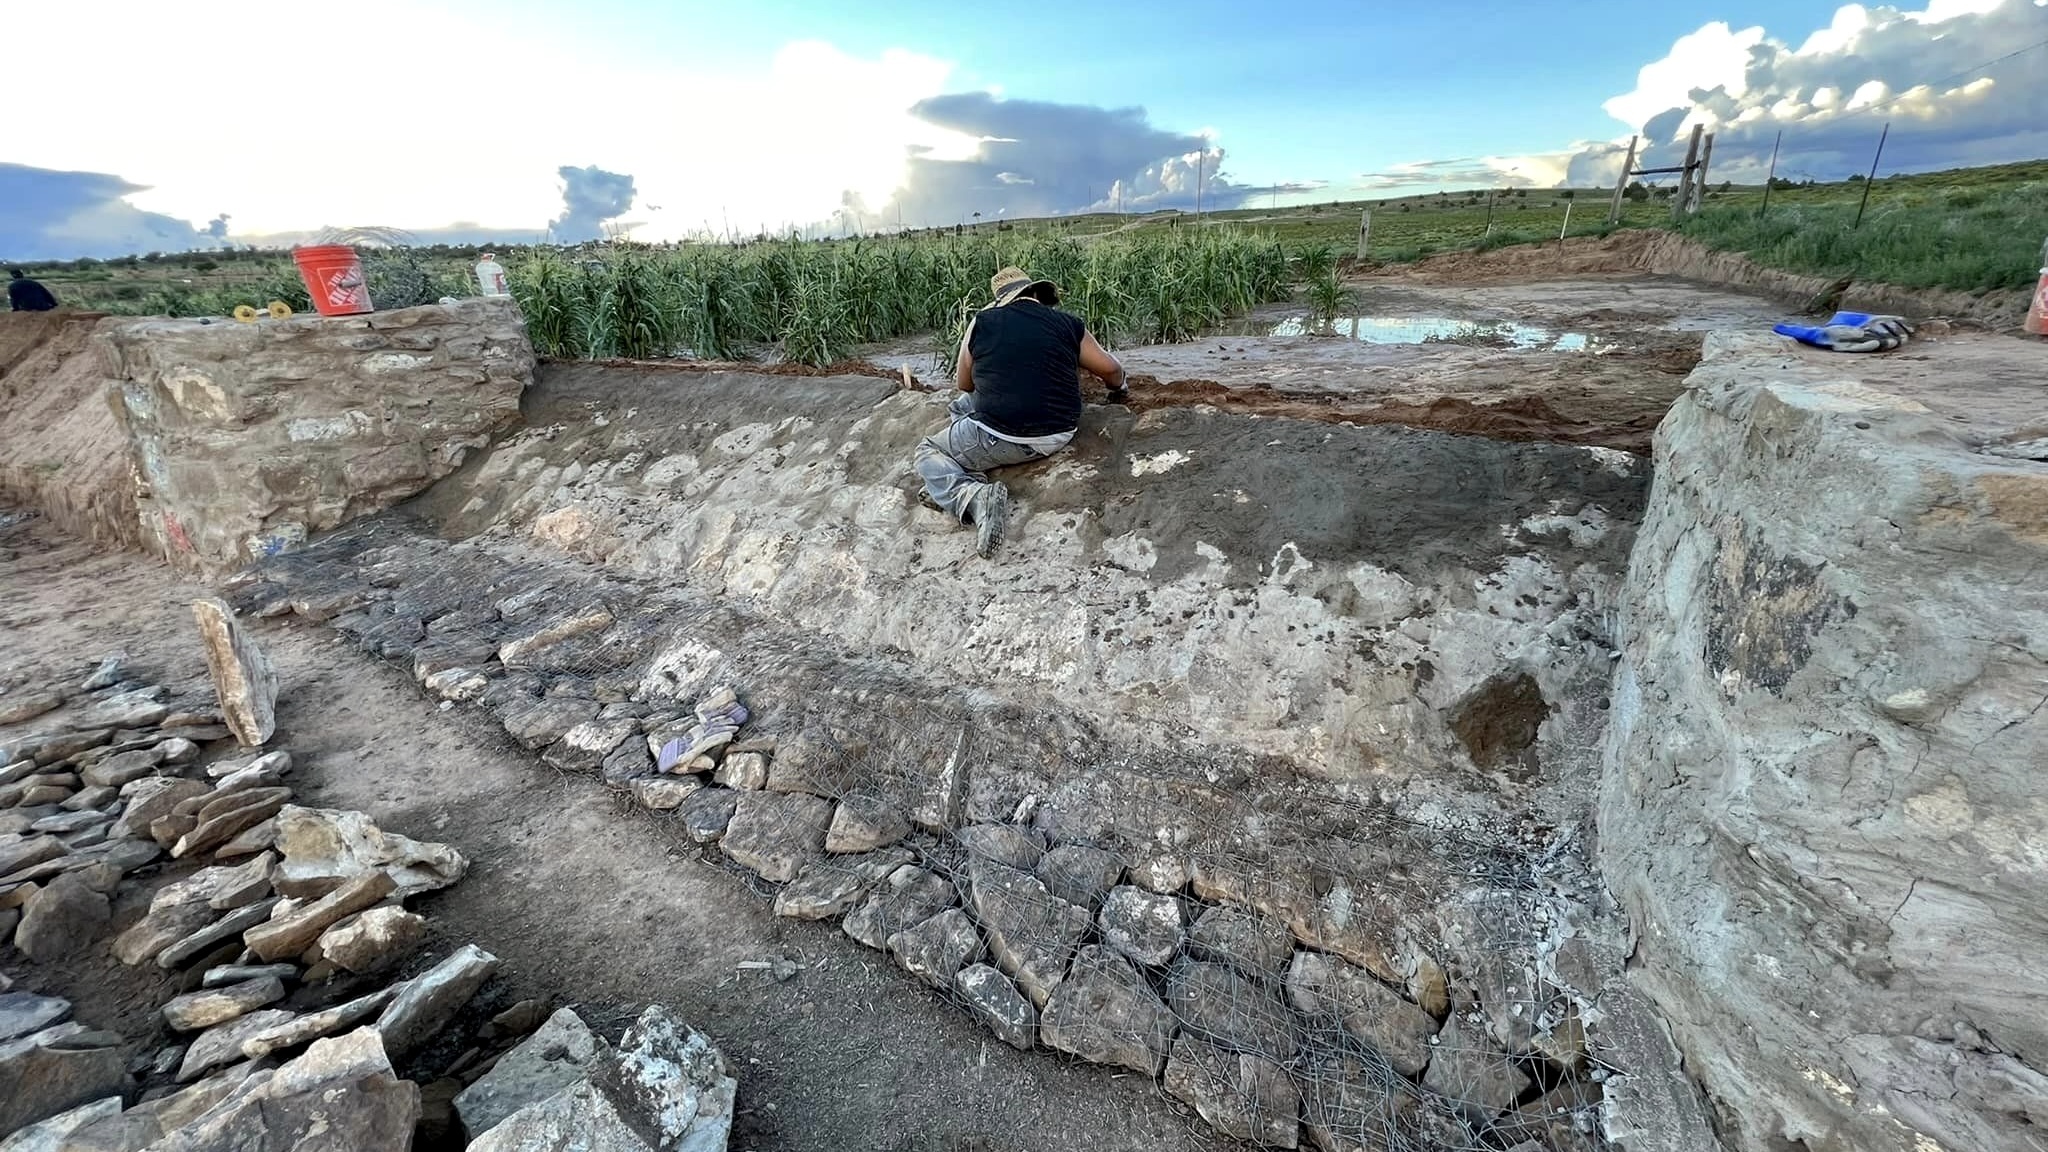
[(1332, 594), (1823, 803)]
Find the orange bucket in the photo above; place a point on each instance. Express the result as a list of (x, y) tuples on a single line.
[(334, 278)]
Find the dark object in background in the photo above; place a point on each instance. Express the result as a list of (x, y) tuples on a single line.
[(26, 295)]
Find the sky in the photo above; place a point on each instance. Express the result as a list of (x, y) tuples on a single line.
[(161, 126)]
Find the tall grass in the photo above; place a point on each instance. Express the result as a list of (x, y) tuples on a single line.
[(820, 301), (1967, 238)]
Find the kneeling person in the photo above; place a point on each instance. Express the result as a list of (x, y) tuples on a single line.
[(1020, 399)]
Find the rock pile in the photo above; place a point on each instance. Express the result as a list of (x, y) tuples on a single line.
[(1282, 1007), (290, 905)]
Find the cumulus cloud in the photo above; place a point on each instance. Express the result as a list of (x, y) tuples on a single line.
[(591, 198), (1922, 70), (1036, 158), (52, 215)]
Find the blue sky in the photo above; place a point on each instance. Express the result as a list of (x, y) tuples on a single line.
[(517, 119)]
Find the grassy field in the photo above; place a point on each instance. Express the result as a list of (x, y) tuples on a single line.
[(1971, 230)]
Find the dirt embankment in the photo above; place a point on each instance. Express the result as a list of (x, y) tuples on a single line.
[(65, 453), (1663, 253)]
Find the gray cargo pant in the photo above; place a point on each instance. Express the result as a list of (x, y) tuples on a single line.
[(955, 462)]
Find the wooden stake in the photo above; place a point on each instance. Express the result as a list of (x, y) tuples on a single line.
[(1699, 189), (1364, 233), (1628, 165), (1692, 156)]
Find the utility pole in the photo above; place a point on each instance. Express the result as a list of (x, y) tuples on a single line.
[(1872, 178), (1772, 175), (1200, 155)]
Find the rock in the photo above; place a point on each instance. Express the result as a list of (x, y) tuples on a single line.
[(168, 829), (292, 932), (997, 1003), (1219, 1004), (45, 794), (1244, 1096), (1105, 1012), (142, 1126), (1243, 939), (1480, 1081), (126, 768), (1162, 874), (16, 708), (237, 973), (198, 734), (1031, 933), (211, 1006), (539, 723), (96, 796), (375, 941), (54, 1134), (176, 750), (664, 793), (243, 678), (561, 1053), (827, 888), (863, 825), (221, 1045), (204, 941), (708, 812), (743, 770), (61, 919), (10, 919), (1079, 874), (457, 683), (322, 848), (1352, 1104), (428, 1001), (68, 823), (518, 1020), (776, 833), (819, 762), (260, 838), (26, 852), (137, 708), (1005, 844), (55, 1070), (665, 1090), (282, 1034), (936, 950), (18, 771), (55, 748), (262, 772), (1144, 926), (524, 651), (909, 897), (24, 1012), (627, 763), (584, 747), (150, 798), (340, 1094), (224, 818), (241, 884), (176, 911), (107, 674), (1322, 985)]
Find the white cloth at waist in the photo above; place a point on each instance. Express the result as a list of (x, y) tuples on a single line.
[(1045, 444)]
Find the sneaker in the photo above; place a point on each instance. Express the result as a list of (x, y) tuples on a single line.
[(990, 510)]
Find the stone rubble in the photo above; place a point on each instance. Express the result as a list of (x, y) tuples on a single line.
[(242, 675)]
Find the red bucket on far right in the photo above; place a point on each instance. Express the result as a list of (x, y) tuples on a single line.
[(334, 278)]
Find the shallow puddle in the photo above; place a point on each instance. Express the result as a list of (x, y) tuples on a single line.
[(1422, 330)]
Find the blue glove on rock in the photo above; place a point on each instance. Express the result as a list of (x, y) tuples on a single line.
[(1851, 332)]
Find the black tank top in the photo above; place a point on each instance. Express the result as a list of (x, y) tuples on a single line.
[(1027, 369)]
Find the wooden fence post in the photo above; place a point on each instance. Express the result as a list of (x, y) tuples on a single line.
[(1692, 156), (1628, 165), (1699, 188), (1364, 233)]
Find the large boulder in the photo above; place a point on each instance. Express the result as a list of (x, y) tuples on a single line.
[(55, 1070), (340, 1096), (665, 1090), (1823, 803)]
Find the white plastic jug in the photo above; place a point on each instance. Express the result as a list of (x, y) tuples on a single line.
[(491, 276)]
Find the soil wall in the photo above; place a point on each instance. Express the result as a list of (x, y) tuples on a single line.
[(65, 454), (1823, 807)]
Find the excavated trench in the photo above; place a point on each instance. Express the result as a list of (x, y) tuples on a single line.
[(1263, 763)]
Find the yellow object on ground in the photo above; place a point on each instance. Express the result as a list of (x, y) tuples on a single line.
[(245, 314)]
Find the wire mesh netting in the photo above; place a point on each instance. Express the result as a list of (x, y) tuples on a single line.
[(1293, 963)]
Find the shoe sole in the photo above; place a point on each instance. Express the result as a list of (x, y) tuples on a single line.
[(990, 514)]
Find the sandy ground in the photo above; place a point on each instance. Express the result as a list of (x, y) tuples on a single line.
[(587, 900)]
